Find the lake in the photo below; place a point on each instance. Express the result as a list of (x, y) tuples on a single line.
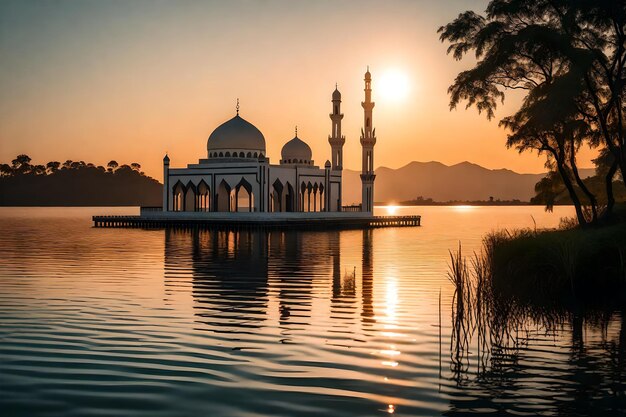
[(128, 322)]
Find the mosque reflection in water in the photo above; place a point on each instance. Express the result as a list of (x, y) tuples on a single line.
[(337, 303), (242, 279)]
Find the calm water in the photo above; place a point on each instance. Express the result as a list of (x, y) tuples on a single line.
[(116, 322)]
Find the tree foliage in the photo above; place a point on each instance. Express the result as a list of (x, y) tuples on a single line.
[(567, 57), (75, 183), (21, 165)]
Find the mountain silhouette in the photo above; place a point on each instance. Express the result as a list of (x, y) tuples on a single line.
[(465, 181)]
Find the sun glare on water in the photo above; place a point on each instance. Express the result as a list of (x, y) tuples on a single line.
[(391, 210), (463, 208), (394, 85)]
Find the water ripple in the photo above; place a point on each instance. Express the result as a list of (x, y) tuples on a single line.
[(118, 322)]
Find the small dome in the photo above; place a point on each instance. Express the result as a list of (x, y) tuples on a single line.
[(236, 133), (166, 159), (336, 94), (368, 76), (296, 150)]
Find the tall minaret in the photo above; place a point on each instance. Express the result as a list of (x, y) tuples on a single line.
[(368, 140), (166, 183), (335, 139)]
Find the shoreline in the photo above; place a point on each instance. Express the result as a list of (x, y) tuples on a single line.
[(378, 204)]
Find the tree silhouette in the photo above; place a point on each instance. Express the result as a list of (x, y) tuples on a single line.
[(6, 170), (548, 189), (112, 166), (21, 164), (77, 183), (52, 167), (567, 56), (606, 167), (560, 141)]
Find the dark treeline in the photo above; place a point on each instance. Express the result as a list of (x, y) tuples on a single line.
[(568, 59), (421, 201), (551, 191), (76, 183)]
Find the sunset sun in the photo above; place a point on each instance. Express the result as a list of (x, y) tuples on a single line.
[(394, 85)]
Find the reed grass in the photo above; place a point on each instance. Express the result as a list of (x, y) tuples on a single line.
[(525, 280)]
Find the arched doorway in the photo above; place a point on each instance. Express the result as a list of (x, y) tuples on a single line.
[(303, 196), (315, 187), (190, 197), (309, 189), (244, 197), (277, 196), (178, 196), (203, 198), (289, 198), (222, 197)]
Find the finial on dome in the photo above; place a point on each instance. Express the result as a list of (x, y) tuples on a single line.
[(237, 106), (296, 130)]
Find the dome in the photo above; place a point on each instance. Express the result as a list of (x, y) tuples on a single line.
[(236, 134), (336, 94), (296, 150)]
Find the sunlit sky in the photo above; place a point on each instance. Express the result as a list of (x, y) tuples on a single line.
[(130, 80)]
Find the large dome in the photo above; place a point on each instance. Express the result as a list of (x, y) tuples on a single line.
[(236, 136), (296, 151)]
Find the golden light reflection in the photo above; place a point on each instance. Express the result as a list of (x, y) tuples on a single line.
[(463, 208), (391, 409), (392, 334), (391, 300), (390, 322), (391, 210)]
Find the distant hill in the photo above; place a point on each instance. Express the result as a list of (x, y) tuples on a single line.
[(81, 186), (464, 181)]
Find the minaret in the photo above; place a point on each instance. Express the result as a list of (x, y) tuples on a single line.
[(368, 140), (335, 139), (166, 182)]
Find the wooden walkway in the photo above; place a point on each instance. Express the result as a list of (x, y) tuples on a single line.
[(156, 222)]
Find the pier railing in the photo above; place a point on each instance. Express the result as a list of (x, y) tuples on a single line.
[(353, 207), (153, 209), (240, 221)]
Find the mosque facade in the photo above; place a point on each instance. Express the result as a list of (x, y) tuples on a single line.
[(237, 176)]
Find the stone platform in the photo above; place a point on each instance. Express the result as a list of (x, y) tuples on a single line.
[(236, 221)]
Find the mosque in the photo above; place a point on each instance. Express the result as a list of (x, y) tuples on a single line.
[(237, 176)]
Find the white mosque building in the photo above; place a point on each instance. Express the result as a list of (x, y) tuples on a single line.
[(237, 176)]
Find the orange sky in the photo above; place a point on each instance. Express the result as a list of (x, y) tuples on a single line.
[(96, 81)]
